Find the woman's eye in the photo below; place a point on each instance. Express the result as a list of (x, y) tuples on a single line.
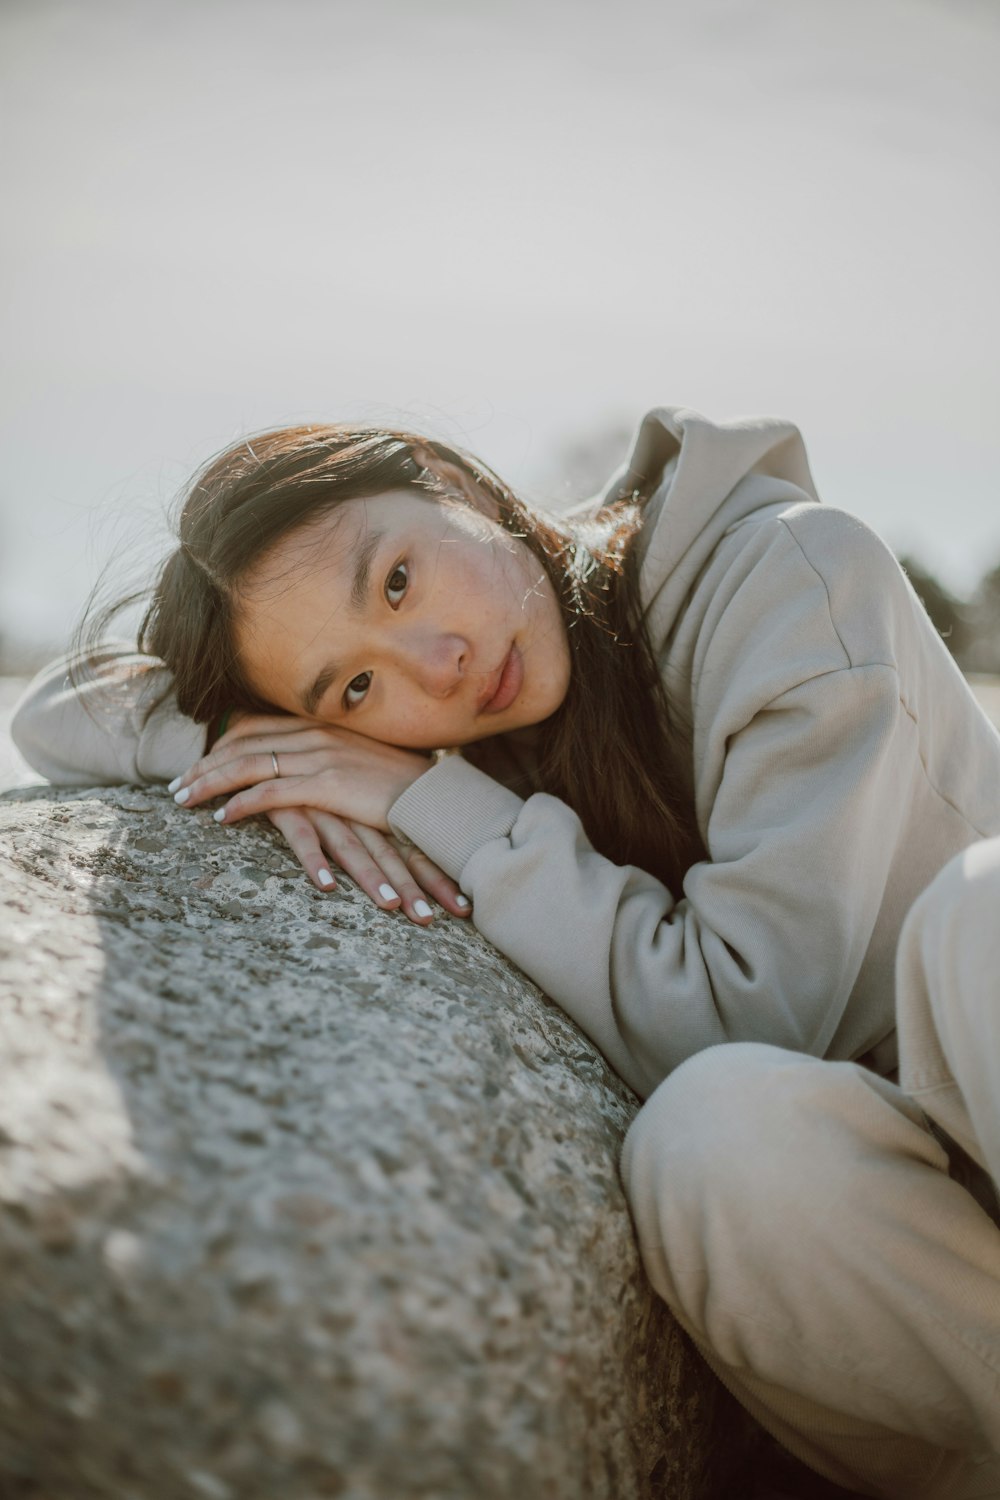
[(396, 584), (356, 689)]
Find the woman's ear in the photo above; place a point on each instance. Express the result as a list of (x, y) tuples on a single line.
[(454, 477)]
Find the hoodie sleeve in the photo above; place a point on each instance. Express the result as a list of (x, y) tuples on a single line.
[(99, 731), (768, 937)]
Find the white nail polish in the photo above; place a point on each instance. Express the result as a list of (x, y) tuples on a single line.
[(422, 909), (173, 785), (183, 794), (387, 893), (220, 815), (461, 901), (324, 877)]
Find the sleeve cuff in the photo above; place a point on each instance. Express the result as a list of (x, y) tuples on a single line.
[(452, 810), (169, 744)]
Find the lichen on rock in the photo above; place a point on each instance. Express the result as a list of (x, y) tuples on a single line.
[(299, 1200)]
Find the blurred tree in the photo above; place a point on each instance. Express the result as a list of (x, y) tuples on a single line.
[(948, 614), (983, 653), (970, 628)]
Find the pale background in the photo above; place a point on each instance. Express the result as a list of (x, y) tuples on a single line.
[(516, 224)]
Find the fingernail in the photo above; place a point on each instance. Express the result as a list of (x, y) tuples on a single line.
[(183, 794), (220, 816), (387, 893), (324, 877), (461, 901), (173, 785), (421, 909)]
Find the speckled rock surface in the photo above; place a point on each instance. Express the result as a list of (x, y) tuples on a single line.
[(297, 1200)]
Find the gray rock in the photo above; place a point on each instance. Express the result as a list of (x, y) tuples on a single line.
[(298, 1200)]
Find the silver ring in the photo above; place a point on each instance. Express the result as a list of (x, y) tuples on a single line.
[(274, 762)]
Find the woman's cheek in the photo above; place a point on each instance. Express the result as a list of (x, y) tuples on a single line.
[(411, 727)]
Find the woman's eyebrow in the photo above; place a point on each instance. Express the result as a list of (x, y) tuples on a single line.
[(362, 556), (365, 549)]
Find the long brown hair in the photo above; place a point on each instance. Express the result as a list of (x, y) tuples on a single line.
[(611, 750)]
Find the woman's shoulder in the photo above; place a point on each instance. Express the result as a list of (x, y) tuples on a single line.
[(803, 590), (831, 539), (870, 601)]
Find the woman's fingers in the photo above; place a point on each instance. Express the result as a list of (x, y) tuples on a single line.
[(303, 840), (433, 880), (212, 778), (253, 775), (346, 774), (359, 794), (244, 762), (298, 800), (318, 839), (342, 842), (414, 891), (266, 796)]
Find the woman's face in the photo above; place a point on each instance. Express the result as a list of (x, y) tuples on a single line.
[(416, 622)]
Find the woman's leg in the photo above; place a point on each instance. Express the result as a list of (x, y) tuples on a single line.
[(948, 1002), (798, 1217)]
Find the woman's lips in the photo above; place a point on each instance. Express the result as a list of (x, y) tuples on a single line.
[(508, 686)]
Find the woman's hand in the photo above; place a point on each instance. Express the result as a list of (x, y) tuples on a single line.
[(392, 875), (333, 786), (283, 761)]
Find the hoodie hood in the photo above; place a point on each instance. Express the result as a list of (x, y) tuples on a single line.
[(703, 478)]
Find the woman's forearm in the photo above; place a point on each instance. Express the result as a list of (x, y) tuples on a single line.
[(92, 727)]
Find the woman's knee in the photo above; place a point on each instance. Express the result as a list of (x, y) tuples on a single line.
[(958, 915), (703, 1141), (747, 1150), (697, 1101), (948, 1000), (948, 960)]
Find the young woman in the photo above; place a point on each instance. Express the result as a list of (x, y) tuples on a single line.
[(709, 751)]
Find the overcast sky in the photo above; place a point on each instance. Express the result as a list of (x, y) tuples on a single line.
[(515, 224)]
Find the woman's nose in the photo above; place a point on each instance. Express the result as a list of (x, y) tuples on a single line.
[(434, 660)]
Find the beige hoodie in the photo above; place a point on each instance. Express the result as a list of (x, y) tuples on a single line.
[(839, 761)]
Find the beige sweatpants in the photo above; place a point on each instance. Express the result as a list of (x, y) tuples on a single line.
[(798, 1217)]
